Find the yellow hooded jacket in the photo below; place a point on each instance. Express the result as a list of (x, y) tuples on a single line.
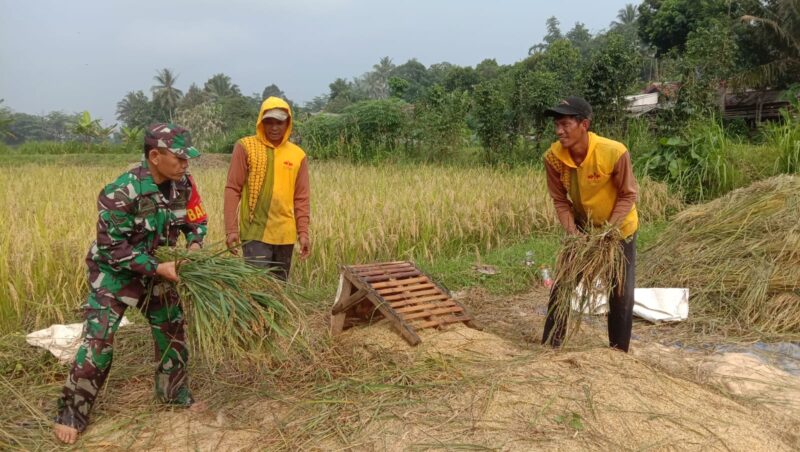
[(267, 211)]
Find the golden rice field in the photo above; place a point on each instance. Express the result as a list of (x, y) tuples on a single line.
[(359, 214)]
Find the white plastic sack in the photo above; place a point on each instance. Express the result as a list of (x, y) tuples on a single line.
[(652, 304), (62, 340), (596, 302), (661, 304)]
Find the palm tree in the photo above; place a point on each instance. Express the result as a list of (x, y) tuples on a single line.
[(194, 96), (378, 79), (134, 109), (781, 23), (220, 86), (626, 16), (165, 95)]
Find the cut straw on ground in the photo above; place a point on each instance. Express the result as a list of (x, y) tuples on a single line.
[(739, 255)]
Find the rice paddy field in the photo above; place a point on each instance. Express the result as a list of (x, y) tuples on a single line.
[(359, 214), (461, 389)]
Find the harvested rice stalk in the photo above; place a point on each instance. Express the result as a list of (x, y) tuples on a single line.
[(236, 313), (595, 262), (736, 254)]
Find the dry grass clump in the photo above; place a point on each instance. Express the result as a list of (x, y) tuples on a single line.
[(656, 201), (740, 257), (237, 314), (593, 261)]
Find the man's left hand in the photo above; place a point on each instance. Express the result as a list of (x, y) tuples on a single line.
[(305, 247), (194, 246)]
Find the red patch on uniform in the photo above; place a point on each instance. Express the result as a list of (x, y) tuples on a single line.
[(195, 213), (594, 176), (288, 164)]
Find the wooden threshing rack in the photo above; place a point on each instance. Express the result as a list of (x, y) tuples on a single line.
[(398, 291)]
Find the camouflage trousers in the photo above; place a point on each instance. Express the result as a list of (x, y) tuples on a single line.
[(92, 363)]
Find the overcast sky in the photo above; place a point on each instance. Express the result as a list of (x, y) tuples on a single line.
[(87, 54)]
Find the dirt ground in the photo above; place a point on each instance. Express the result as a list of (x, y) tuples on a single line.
[(497, 389)]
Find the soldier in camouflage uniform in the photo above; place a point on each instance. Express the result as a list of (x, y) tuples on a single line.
[(147, 207)]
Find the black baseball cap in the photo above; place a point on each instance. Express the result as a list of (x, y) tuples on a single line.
[(570, 106)]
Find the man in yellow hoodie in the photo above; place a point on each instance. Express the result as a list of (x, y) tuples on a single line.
[(591, 182), (268, 185)]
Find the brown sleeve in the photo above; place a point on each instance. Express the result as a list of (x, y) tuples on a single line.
[(560, 201), (627, 190), (237, 175), (302, 200)]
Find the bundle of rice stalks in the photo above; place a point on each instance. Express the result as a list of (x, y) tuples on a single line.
[(594, 262), (236, 314), (739, 255)]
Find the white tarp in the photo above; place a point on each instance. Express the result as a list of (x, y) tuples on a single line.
[(661, 304), (652, 304), (62, 340)]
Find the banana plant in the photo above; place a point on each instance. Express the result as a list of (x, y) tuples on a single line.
[(131, 136), (90, 128)]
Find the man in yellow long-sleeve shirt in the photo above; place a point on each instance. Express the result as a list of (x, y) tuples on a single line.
[(590, 179)]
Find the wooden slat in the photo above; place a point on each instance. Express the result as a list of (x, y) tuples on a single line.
[(406, 330), (337, 323), (471, 322), (387, 272), (380, 270), (401, 282), (432, 312), (406, 296), (418, 300), (435, 299), (412, 295), (378, 264), (389, 276), (337, 320), (443, 321), (419, 307), (406, 289), (349, 302)]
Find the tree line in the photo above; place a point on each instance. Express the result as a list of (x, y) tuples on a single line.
[(429, 111)]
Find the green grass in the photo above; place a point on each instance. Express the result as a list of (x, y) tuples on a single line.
[(68, 147), (513, 276), (88, 159)]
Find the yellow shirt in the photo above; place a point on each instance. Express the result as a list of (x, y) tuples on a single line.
[(596, 188)]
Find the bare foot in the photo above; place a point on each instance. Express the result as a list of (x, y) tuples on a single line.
[(198, 407), (65, 433)]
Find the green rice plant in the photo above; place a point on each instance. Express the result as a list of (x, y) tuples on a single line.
[(592, 261), (639, 137), (237, 314), (785, 136)]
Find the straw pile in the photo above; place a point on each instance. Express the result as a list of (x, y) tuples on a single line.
[(740, 257), (593, 261), (236, 313)]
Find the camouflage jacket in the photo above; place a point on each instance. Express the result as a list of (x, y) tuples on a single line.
[(134, 220)]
